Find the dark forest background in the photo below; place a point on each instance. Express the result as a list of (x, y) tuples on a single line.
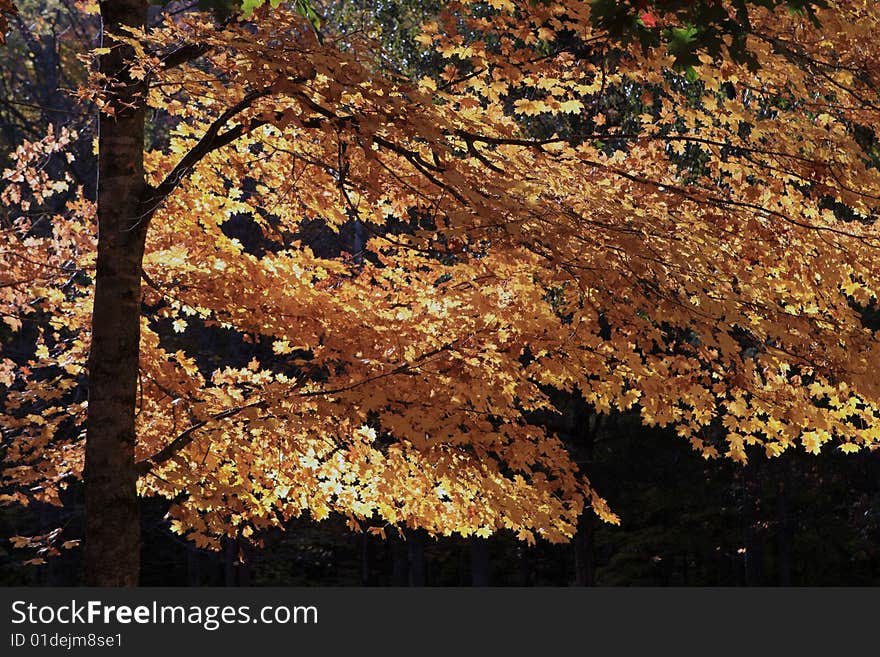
[(797, 519)]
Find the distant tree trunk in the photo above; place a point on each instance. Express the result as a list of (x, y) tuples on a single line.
[(416, 542), (359, 241), (584, 557), (752, 538), (243, 563), (193, 566), (48, 572), (229, 557), (524, 561), (399, 562), (783, 517), (479, 561), (368, 575), (584, 563), (112, 539)]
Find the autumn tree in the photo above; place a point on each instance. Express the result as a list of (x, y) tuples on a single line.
[(710, 267)]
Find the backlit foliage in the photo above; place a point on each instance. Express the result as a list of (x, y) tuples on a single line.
[(709, 267)]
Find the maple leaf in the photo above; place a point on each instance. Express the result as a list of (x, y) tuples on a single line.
[(571, 106)]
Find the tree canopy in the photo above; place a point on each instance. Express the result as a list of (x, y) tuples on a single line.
[(688, 232)]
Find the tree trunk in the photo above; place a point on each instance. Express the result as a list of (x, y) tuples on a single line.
[(752, 538), (584, 543), (229, 559), (245, 574), (112, 542), (783, 516), (399, 561), (479, 561), (368, 571), (416, 543), (584, 560), (193, 566)]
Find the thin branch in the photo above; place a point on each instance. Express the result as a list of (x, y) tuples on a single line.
[(212, 140), (183, 55), (186, 437)]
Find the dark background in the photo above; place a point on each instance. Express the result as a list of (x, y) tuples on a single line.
[(796, 520)]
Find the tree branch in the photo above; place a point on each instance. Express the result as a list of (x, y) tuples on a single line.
[(210, 141), (186, 437), (183, 55)]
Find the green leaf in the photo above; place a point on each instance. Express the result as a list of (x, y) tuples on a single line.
[(303, 7), (306, 8)]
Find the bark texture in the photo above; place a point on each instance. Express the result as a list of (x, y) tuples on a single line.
[(112, 545)]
